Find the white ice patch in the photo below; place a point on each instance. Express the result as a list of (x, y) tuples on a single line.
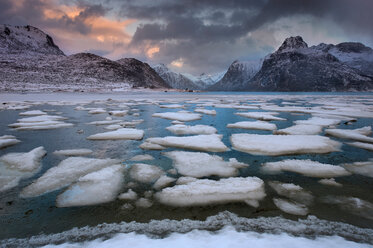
[(178, 116), (8, 140), (97, 111), (142, 157), (306, 168), (359, 134), (362, 168), (145, 173), (113, 127), (290, 207), (317, 121), (185, 180), (143, 203), (330, 182), (171, 106), (205, 111), (16, 166), (122, 133), (274, 145), (264, 116), (73, 152), (197, 129), (198, 164), (257, 125), (208, 143), (41, 122), (205, 192), (163, 181), (130, 195), (292, 191), (106, 122), (42, 118), (65, 173), (33, 113), (118, 112), (94, 188), (357, 144), (302, 129)]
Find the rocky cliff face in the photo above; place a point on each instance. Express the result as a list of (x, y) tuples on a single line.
[(297, 67), (31, 61)]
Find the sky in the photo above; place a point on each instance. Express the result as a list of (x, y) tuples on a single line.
[(193, 36)]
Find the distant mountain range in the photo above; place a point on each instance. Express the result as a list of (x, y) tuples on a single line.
[(29, 59)]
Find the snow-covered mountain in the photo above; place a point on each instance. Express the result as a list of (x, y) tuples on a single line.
[(297, 67), (30, 60), (237, 74), (205, 80), (174, 79)]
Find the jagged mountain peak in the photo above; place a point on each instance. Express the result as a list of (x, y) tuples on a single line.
[(26, 40), (353, 47), (292, 43)]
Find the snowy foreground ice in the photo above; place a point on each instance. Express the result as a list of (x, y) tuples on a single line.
[(204, 170)]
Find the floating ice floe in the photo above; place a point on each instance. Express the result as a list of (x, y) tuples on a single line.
[(113, 127), (301, 129), (264, 116), (290, 207), (97, 111), (163, 181), (145, 173), (205, 111), (143, 203), (330, 182), (33, 112), (16, 166), (73, 152), (305, 167), (119, 134), (359, 134), (151, 146), (130, 195), (317, 121), (185, 180), (205, 192), (118, 112), (352, 205), (360, 145), (362, 168), (292, 191), (208, 143), (197, 129), (105, 122), (198, 164), (179, 116), (274, 145), (8, 140), (65, 173), (142, 157), (41, 122), (94, 188), (257, 125), (171, 106)]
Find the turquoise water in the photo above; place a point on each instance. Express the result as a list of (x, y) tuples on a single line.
[(31, 216)]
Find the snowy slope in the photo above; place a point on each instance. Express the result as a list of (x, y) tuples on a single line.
[(174, 79)]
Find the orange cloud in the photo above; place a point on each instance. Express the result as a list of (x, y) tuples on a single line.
[(177, 63), (151, 51)]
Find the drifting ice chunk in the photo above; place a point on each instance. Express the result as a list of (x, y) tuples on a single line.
[(208, 143), (123, 133), (274, 145), (94, 188), (163, 181), (258, 125), (106, 122), (171, 106), (8, 140), (317, 121), (290, 207), (292, 191), (151, 146), (45, 126), (185, 180), (362, 168), (306, 167), (357, 144), (40, 123), (205, 192), (142, 157), (113, 127), (145, 173), (73, 152), (330, 182), (65, 173), (97, 111), (198, 164), (359, 134), (264, 116), (118, 112), (129, 195), (300, 129), (33, 112), (205, 111), (42, 118), (197, 129), (143, 203), (179, 116), (352, 205)]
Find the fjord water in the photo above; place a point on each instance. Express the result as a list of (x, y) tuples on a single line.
[(26, 217)]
